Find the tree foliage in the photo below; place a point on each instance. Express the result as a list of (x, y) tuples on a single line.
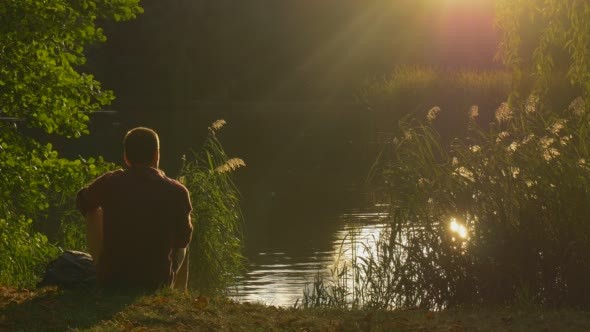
[(41, 43), (542, 39), (41, 49)]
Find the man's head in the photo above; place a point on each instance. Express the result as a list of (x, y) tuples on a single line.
[(142, 147)]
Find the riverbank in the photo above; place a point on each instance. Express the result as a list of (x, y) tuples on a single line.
[(54, 310)]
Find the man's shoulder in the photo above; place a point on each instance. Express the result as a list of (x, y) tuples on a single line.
[(115, 172), (175, 185), (109, 176)]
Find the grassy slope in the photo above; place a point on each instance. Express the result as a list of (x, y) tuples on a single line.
[(53, 310)]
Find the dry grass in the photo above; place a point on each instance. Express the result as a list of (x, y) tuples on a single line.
[(55, 310)]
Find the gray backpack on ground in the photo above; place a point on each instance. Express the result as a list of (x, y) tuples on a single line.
[(71, 269)]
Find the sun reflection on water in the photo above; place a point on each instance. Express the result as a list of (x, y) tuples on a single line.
[(458, 228), (277, 278), (357, 242)]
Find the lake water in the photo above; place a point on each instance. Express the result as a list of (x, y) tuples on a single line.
[(278, 274)]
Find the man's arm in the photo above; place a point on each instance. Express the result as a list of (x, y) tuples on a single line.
[(89, 202), (180, 266), (180, 241), (178, 257), (182, 226), (94, 233)]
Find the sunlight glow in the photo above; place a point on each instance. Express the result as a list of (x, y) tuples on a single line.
[(488, 4), (458, 228)]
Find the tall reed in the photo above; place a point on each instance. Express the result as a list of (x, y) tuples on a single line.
[(498, 217), (216, 249)]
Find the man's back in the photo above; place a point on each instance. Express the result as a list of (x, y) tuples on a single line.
[(145, 216)]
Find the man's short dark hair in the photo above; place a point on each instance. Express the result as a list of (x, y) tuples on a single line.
[(140, 145)]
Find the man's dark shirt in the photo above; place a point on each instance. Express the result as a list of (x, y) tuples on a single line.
[(145, 216)]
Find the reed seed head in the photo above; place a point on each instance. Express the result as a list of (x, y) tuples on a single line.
[(546, 142), (557, 126), (528, 138), (531, 104), (564, 140), (512, 147), (578, 106), (230, 165), (549, 154), (464, 172), (408, 135), (218, 124), (515, 171), (432, 113), (473, 112), (503, 113), (502, 136)]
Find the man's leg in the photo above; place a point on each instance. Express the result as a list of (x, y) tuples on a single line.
[(94, 235)]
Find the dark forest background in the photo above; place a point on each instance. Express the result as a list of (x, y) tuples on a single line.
[(289, 50)]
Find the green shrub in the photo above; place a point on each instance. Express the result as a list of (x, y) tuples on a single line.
[(23, 252), (37, 204)]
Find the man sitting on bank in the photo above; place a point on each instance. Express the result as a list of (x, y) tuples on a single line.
[(138, 220)]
